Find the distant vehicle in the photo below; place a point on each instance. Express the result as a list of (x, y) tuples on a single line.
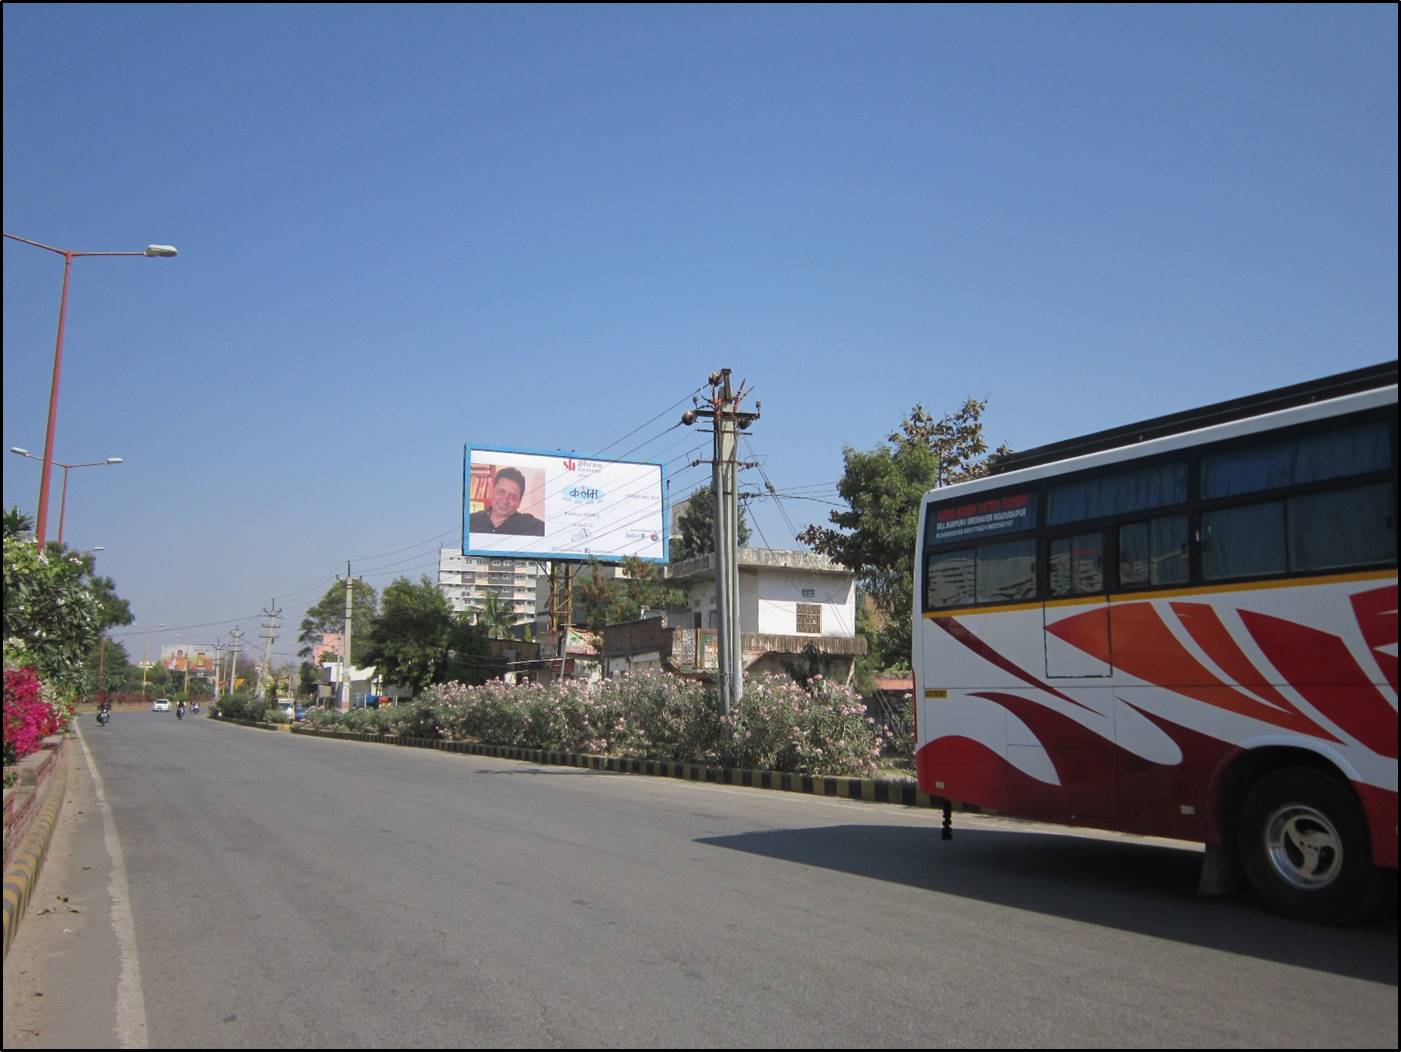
[(299, 714), (1182, 628), (160, 705)]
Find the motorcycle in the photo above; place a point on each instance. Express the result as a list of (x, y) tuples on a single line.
[(180, 713), (102, 717)]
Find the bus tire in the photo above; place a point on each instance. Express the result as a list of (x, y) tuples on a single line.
[(1304, 845)]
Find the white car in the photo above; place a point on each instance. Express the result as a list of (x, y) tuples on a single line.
[(160, 705)]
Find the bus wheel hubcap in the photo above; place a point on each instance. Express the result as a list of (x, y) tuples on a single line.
[(1304, 847)]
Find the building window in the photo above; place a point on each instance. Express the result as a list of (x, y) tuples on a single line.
[(810, 618)]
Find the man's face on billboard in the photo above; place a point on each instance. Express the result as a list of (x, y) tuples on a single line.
[(505, 499)]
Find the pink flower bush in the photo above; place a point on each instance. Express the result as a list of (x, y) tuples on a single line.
[(28, 716), (779, 725)]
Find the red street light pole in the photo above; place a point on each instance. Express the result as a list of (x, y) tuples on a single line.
[(63, 503), (41, 527)]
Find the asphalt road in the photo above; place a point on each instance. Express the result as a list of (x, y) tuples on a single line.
[(229, 887)]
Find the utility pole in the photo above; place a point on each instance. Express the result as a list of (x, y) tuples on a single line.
[(269, 634), (345, 657), (724, 411), (218, 667), (235, 645)]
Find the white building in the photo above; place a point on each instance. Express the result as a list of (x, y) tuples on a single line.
[(780, 593), (797, 617), (465, 581)]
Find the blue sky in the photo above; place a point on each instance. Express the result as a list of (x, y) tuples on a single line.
[(403, 229)]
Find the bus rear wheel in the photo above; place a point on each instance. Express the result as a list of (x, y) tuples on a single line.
[(1304, 845)]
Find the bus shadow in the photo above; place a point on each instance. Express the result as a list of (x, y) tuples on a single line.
[(1145, 888)]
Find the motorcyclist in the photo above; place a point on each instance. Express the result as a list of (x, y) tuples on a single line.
[(180, 710)]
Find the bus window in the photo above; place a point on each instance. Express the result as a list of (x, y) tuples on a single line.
[(1007, 571), (948, 579), (1351, 527), (1077, 565), (1356, 450), (1153, 552)]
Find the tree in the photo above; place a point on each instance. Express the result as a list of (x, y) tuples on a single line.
[(601, 599), (17, 524), (956, 439), (884, 487), (417, 640), (496, 616), (697, 526), (51, 616), (327, 617), (109, 667)]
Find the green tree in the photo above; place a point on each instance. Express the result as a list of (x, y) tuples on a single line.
[(17, 524), (417, 640), (117, 673), (51, 616), (883, 488), (328, 617), (308, 679), (496, 616), (697, 527), (956, 440), (602, 599)]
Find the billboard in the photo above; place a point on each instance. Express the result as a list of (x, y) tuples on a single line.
[(554, 505), (188, 657)]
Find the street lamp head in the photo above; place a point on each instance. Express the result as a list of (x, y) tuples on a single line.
[(20, 450), (161, 250), (113, 460)]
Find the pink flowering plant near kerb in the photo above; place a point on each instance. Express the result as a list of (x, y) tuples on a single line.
[(779, 725), (29, 716)]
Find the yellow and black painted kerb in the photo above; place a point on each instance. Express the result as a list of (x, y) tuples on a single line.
[(23, 871), (872, 790)]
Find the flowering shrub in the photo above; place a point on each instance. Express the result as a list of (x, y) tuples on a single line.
[(28, 716), (51, 614), (778, 725), (366, 720), (243, 707), (419, 720)]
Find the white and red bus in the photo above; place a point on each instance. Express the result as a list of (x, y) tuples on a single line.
[(1185, 627)]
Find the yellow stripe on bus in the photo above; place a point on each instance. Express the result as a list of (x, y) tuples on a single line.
[(1167, 593)]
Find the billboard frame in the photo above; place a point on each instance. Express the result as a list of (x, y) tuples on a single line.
[(545, 557)]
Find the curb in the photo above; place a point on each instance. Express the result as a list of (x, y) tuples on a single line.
[(902, 791), (23, 871)]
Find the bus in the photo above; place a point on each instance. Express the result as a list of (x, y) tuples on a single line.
[(1184, 627)]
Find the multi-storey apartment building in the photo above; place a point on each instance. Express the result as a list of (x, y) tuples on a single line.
[(466, 579)]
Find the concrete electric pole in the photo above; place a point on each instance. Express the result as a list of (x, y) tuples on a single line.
[(271, 614), (235, 645), (345, 657), (724, 411)]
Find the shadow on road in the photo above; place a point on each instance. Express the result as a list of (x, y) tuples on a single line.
[(1143, 888)]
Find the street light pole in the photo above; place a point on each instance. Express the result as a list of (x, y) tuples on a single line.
[(41, 526), (63, 503)]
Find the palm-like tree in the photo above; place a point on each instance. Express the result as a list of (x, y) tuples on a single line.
[(496, 616), (17, 524)]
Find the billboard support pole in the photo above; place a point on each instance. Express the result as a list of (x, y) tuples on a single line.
[(561, 606)]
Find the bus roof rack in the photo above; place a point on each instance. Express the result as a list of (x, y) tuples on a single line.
[(1365, 379)]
